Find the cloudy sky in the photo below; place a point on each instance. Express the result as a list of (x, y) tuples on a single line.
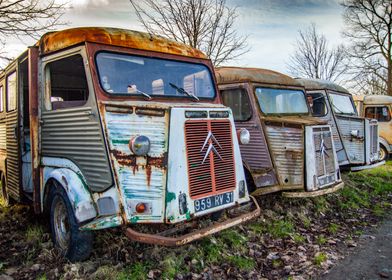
[(272, 25)]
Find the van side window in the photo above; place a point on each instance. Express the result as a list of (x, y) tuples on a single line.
[(68, 83), (317, 104), (11, 92), (380, 113), (1, 99), (238, 100)]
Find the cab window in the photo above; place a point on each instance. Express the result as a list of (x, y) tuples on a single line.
[(11, 92), (380, 113), (317, 104), (238, 101), (66, 83)]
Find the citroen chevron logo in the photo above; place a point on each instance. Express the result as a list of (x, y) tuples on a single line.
[(323, 148), (210, 140)]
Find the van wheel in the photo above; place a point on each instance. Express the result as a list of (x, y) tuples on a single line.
[(383, 153), (74, 244), (3, 192)]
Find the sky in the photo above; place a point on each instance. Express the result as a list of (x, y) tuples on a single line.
[(271, 25)]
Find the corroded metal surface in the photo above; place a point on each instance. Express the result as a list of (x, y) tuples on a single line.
[(75, 134), (187, 238), (3, 136), (314, 84), (287, 149), (13, 155), (55, 41), (354, 146), (229, 75), (373, 99), (140, 179), (314, 193), (34, 125)]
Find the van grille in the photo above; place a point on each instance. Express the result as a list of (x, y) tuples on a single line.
[(373, 139), (216, 174), (325, 157)]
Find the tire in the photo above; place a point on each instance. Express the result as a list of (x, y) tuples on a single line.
[(3, 191), (383, 153), (74, 244)]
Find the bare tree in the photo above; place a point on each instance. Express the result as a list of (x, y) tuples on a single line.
[(369, 28), (313, 58), (207, 25)]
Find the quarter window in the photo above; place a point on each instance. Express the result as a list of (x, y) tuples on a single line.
[(11, 92), (67, 83), (317, 104), (380, 113), (238, 101)]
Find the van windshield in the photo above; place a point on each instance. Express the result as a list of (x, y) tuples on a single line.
[(342, 104), (281, 101), (122, 74)]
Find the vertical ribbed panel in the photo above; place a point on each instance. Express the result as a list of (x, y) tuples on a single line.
[(287, 147), (3, 136), (355, 147), (374, 139), (13, 159), (325, 158), (76, 134), (255, 154)]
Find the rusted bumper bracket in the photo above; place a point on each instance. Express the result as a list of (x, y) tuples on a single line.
[(187, 238), (364, 167), (314, 193)]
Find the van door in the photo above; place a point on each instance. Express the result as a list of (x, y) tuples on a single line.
[(13, 133)]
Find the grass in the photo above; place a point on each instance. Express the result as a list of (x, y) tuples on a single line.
[(319, 258), (277, 263), (333, 228), (281, 229), (106, 272), (321, 240), (297, 238), (138, 271), (242, 262), (34, 234), (172, 265), (233, 239)]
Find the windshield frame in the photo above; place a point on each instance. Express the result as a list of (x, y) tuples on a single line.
[(256, 85), (153, 55), (331, 92)]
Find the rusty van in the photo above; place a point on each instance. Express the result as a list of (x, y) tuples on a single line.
[(103, 127), (355, 137), (378, 107), (289, 150)]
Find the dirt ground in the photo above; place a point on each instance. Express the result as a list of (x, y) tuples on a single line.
[(292, 239), (372, 259)]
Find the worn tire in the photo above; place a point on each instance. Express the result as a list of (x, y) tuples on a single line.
[(74, 244), (3, 191), (383, 153)]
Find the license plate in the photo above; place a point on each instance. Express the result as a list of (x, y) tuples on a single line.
[(206, 203)]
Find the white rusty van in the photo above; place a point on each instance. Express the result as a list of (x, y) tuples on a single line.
[(104, 127), (355, 137)]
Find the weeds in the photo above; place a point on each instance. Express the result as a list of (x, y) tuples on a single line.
[(242, 263), (233, 239), (297, 238), (34, 234), (321, 240), (319, 258), (333, 228), (281, 228), (137, 271)]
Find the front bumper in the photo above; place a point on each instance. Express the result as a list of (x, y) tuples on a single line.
[(187, 238), (304, 194), (363, 167)]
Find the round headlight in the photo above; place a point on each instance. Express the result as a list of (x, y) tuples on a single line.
[(140, 145), (244, 136)]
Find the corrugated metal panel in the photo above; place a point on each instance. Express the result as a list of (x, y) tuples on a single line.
[(75, 134), (140, 179), (287, 148), (374, 145), (255, 154), (355, 147), (325, 163), (3, 136), (13, 159)]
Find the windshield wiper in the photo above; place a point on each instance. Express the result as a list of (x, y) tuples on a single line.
[(183, 91), (141, 92)]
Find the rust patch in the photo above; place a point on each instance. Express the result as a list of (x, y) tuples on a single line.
[(148, 174), (55, 41)]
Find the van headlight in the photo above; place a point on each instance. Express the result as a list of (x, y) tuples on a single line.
[(140, 145), (243, 136)]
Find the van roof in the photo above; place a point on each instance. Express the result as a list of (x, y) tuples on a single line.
[(374, 99), (316, 84), (58, 40), (228, 75)]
